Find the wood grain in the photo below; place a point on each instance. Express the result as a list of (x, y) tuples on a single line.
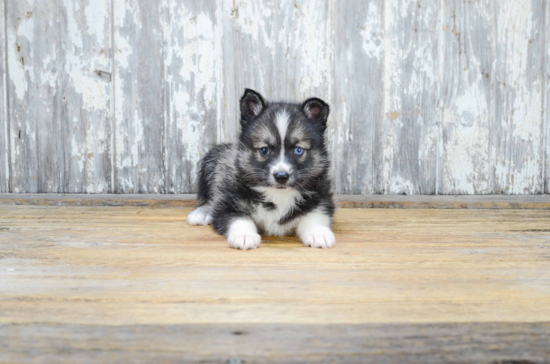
[(281, 49), (140, 100), (4, 120), (467, 97), (125, 96), (81, 283), (511, 202), (518, 128), (121, 266), (85, 84), (546, 79), (357, 103), (409, 129), (191, 77), (276, 343), (35, 99)]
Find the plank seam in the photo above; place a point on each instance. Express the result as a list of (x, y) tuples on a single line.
[(441, 59), (219, 70), (7, 115), (112, 101), (545, 149), (493, 123), (380, 185), (166, 89)]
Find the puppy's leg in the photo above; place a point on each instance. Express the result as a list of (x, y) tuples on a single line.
[(314, 230), (202, 215), (243, 234)]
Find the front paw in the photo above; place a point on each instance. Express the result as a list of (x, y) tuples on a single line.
[(200, 216), (244, 240), (318, 237)]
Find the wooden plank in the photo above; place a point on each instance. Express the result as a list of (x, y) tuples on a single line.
[(191, 77), (534, 202), (281, 49), (276, 343), (357, 102), (37, 135), (90, 284), (58, 56), (467, 97), (409, 131), (518, 128), (138, 266), (139, 120), (84, 50), (4, 124)]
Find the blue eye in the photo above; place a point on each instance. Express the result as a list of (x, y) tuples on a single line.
[(264, 150), (299, 151)]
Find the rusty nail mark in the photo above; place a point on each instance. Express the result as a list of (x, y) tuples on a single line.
[(104, 75)]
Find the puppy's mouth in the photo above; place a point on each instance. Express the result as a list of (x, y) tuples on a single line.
[(282, 187)]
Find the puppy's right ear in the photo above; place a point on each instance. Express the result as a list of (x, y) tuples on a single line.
[(252, 105)]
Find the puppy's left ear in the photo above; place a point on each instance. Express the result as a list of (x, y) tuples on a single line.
[(316, 110), (252, 105)]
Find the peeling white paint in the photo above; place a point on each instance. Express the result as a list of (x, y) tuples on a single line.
[(372, 32), (491, 123), (20, 66)]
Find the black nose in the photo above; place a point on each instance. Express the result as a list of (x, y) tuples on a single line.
[(281, 177)]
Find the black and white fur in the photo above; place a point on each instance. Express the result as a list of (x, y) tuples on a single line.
[(274, 181)]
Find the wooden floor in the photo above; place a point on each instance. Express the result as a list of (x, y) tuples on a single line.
[(120, 284)]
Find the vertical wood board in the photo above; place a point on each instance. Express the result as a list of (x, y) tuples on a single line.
[(34, 98), (4, 130), (467, 97), (139, 120), (518, 128), (59, 95), (191, 84), (357, 101), (85, 84), (409, 129), (282, 49)]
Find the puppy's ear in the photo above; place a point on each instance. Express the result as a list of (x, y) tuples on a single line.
[(316, 110), (252, 105)]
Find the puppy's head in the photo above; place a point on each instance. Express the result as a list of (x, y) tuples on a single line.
[(282, 145)]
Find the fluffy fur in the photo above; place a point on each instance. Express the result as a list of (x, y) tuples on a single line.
[(274, 180)]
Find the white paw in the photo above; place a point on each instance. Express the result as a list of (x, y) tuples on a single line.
[(243, 234), (318, 237), (200, 216), (244, 240)]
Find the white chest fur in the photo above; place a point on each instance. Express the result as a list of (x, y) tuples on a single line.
[(284, 201)]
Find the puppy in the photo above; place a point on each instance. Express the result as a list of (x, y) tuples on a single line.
[(274, 180)]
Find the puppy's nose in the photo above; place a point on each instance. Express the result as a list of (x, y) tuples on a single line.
[(281, 177)]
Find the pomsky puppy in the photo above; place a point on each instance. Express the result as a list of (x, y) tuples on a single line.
[(274, 180)]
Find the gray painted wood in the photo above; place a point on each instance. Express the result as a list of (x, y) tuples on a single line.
[(281, 49), (85, 89), (4, 131), (357, 103), (467, 97), (34, 96), (518, 126), (140, 101), (191, 89), (409, 130), (59, 92), (126, 96)]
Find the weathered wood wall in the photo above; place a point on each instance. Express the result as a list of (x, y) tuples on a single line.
[(124, 96)]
